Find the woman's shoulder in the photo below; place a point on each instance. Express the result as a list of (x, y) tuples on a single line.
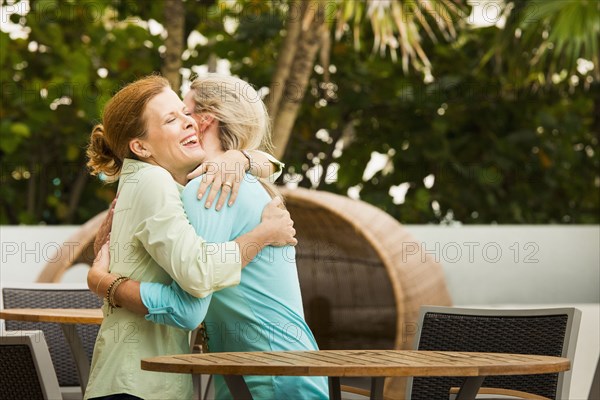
[(146, 180), (135, 171)]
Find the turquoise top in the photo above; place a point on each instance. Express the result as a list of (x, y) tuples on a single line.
[(263, 313)]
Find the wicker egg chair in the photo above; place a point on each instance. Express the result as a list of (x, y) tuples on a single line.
[(80, 251), (360, 290)]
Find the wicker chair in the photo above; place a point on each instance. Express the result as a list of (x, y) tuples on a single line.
[(55, 296), (551, 332), (80, 251), (27, 371), (361, 288)]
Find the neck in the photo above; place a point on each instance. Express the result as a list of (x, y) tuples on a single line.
[(215, 153)]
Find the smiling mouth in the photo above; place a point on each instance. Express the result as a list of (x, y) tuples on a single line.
[(189, 141)]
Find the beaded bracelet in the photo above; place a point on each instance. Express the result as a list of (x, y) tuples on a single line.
[(110, 292), (111, 298), (110, 287)]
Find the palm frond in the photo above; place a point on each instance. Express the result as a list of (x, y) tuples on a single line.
[(562, 32), (397, 25)]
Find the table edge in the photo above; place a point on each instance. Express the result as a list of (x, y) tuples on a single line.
[(12, 314)]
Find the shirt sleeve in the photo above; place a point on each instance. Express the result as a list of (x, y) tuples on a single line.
[(171, 305), (166, 234), (273, 177)]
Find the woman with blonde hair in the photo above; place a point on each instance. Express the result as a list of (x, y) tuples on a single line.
[(149, 140), (264, 312)]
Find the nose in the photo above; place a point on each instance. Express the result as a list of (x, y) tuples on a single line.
[(188, 122)]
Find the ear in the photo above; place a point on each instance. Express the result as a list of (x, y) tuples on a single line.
[(138, 148), (204, 120)]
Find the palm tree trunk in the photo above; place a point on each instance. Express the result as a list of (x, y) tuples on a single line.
[(287, 51), (294, 86), (174, 24)]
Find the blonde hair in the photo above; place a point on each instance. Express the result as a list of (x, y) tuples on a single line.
[(122, 120), (244, 123)]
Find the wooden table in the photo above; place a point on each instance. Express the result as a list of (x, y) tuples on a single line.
[(68, 318), (376, 364)]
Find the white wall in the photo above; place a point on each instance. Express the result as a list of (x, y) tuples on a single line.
[(515, 264), (483, 264), (24, 250)]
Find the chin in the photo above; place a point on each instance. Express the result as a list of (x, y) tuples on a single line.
[(196, 154)]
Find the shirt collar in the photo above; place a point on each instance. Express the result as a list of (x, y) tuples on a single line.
[(131, 166)]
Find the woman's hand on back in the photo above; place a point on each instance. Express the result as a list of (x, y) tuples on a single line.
[(99, 269), (279, 224), (276, 228), (224, 172), (103, 234)]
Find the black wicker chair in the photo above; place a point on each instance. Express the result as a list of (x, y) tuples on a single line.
[(55, 296), (551, 332), (27, 371)]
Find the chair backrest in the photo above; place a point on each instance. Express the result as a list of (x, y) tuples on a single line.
[(26, 368), (551, 332), (55, 296)]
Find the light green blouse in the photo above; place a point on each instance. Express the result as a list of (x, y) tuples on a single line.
[(153, 241)]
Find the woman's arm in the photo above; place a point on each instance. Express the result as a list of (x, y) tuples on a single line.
[(199, 267), (263, 165), (169, 304), (161, 304), (167, 236), (231, 167), (99, 280), (276, 228)]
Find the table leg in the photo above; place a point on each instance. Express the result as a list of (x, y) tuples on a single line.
[(81, 359), (469, 389), (237, 386), (335, 391), (377, 388)]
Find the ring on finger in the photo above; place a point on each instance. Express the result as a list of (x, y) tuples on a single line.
[(228, 184)]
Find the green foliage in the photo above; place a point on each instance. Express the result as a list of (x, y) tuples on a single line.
[(52, 94), (502, 146), (544, 38), (499, 151)]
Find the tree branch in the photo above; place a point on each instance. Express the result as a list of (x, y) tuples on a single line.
[(285, 59), (295, 86)]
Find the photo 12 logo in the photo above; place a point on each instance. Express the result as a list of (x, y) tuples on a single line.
[(471, 252)]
